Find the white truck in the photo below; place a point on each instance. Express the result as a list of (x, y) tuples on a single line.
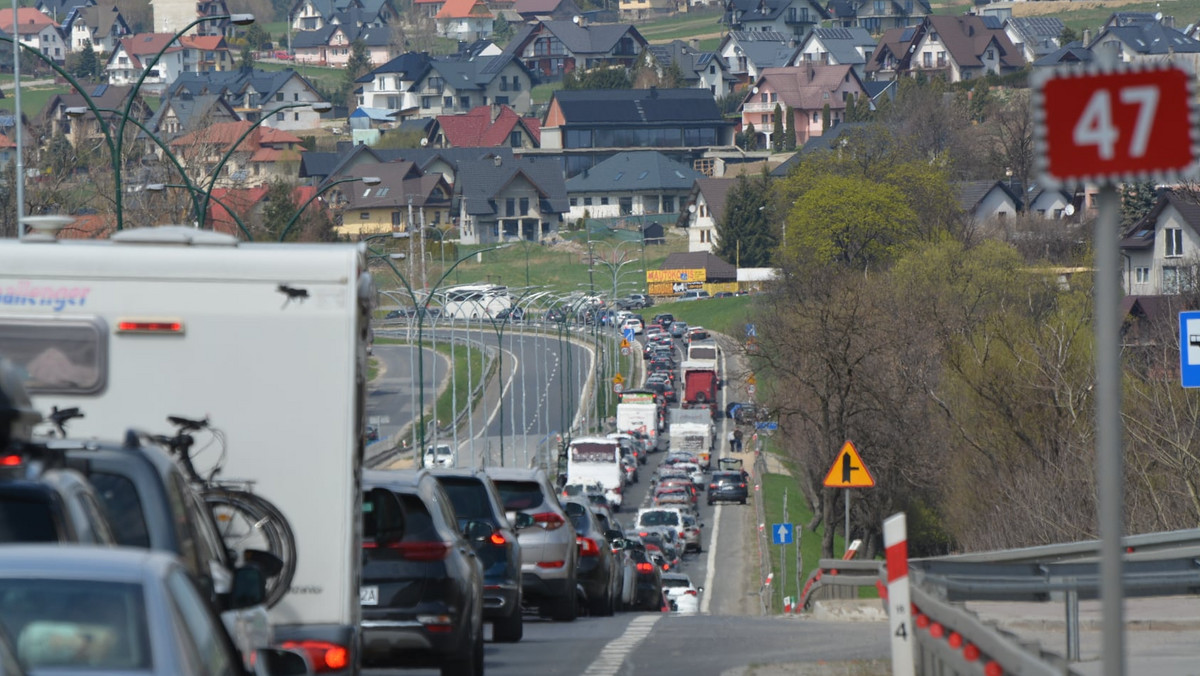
[(267, 340), (638, 414), (598, 459)]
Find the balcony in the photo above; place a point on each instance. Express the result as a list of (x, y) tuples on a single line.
[(760, 107), (793, 17)]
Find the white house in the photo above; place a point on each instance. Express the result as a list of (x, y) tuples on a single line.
[(985, 201), (132, 55), (631, 183), (1159, 252), (704, 207), (466, 20), (36, 31), (837, 47)]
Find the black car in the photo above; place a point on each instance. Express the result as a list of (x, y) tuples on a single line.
[(665, 319), (511, 314), (727, 487), (648, 589), (475, 498), (663, 386), (422, 587), (597, 570), (393, 314), (48, 504)]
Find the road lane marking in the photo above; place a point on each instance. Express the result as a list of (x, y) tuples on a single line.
[(612, 656), (712, 562)]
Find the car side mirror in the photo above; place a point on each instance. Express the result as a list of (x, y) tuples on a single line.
[(478, 530), (249, 588), (279, 662)]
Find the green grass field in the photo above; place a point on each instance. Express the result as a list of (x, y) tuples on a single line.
[(724, 315)]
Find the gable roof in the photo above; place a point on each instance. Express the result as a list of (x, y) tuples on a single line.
[(223, 135), (29, 21), (481, 181), (599, 107), (589, 38), (715, 191), (146, 45), (1072, 53), (690, 60), (235, 82), (807, 87), (843, 43), (486, 126), (59, 9), (464, 9), (967, 37), (105, 96), (638, 170), (409, 65), (742, 11), (1033, 28), (767, 53), (1140, 235), (1152, 39), (190, 110), (971, 193), (101, 17), (715, 267)]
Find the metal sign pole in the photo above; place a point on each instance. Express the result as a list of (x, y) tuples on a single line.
[(847, 530), (782, 549)]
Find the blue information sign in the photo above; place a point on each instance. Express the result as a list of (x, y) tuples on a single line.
[(1189, 348), (628, 333), (781, 533)]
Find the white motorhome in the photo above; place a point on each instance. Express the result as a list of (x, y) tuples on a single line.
[(637, 413), (597, 459), (267, 340)]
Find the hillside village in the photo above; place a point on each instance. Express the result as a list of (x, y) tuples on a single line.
[(633, 132)]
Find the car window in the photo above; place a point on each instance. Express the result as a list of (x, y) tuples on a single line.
[(470, 500), (178, 503), (675, 582), (418, 524), (76, 623), (208, 540), (211, 652), (659, 518), (442, 503), (26, 519), (123, 507), (94, 512), (519, 495)]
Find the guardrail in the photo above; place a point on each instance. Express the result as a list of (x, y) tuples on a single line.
[(839, 574), (1166, 541)]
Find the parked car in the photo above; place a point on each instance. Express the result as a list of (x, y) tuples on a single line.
[(549, 553), (723, 294), (598, 572), (475, 498), (421, 587), (694, 294), (122, 610)]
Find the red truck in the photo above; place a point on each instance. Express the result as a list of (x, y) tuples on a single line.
[(700, 388)]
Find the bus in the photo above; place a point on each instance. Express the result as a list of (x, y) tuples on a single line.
[(475, 301)]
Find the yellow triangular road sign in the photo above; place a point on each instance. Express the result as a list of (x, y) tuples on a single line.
[(618, 379), (848, 470)]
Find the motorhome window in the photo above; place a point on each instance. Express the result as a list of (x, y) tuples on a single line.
[(702, 353), (593, 453), (59, 356)]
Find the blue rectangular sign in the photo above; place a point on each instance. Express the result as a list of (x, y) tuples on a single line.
[(751, 331), (1189, 348), (772, 425), (628, 333), (781, 533)]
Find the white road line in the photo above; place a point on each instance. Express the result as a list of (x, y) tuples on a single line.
[(612, 656), (712, 561)]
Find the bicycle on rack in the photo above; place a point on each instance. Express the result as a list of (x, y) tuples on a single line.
[(246, 521)]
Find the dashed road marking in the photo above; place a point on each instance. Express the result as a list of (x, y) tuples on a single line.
[(612, 656)]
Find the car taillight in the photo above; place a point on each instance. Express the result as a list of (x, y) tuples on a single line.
[(587, 546), (645, 568), (497, 539), (548, 520), (666, 566), (551, 564), (415, 551), (741, 485), (691, 592), (322, 655), (712, 485), (10, 460)]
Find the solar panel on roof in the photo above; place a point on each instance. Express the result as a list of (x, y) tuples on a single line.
[(99, 90), (907, 34)]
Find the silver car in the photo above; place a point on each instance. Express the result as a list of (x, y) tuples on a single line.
[(549, 552), (80, 609)]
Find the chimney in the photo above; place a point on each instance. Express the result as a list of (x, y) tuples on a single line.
[(1087, 37), (695, 43), (495, 111)]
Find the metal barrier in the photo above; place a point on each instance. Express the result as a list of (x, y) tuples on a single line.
[(1167, 541), (831, 575)]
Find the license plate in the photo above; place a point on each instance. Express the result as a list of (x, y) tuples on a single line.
[(368, 596)]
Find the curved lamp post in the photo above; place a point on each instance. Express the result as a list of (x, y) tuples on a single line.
[(367, 180), (161, 187)]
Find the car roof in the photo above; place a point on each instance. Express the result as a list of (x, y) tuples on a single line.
[(514, 474), (115, 564), (392, 478), (676, 576)]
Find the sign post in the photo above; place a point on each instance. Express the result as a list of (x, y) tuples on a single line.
[(1106, 124), (849, 471), (895, 542)]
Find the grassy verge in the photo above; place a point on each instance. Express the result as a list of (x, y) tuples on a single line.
[(372, 368), (724, 315), (446, 404)]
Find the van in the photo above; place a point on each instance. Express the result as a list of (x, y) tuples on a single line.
[(694, 294), (175, 321)]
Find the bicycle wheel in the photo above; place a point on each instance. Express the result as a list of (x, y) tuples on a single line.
[(247, 521)]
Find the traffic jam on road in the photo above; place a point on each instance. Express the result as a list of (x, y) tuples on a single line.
[(621, 527)]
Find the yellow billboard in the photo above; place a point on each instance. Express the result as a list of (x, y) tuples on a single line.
[(660, 276)]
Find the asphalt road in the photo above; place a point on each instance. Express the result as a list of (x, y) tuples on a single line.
[(393, 395)]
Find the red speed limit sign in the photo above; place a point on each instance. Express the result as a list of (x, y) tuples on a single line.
[(1115, 125)]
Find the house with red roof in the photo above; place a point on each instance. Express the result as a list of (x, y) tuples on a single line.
[(467, 20), (808, 90), (205, 53), (133, 54), (37, 31), (486, 127), (7, 149), (264, 154)]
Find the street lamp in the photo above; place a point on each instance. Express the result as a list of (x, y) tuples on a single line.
[(161, 187), (367, 180)]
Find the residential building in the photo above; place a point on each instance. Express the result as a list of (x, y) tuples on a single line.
[(1071, 55), (59, 10), (464, 20), (454, 85), (1149, 43), (389, 87), (591, 125), (170, 16), (747, 53), (318, 166), (205, 53), (498, 199), (837, 47), (404, 192), (8, 150), (987, 201), (809, 90), (331, 44), (551, 49), (100, 25), (132, 57), (311, 15), (631, 183), (428, 8), (264, 154), (1034, 36), (1159, 252), (252, 93), (186, 113), (547, 10), (703, 70), (1050, 204), (486, 127), (878, 16), (892, 55), (793, 18), (36, 31), (958, 47), (643, 10), (85, 131)]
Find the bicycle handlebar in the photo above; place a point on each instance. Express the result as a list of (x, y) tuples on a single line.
[(187, 424)]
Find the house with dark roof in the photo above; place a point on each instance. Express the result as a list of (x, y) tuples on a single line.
[(464, 20), (547, 10), (878, 16), (958, 47), (892, 54), (390, 86), (86, 128), (455, 85), (486, 127), (746, 53), (252, 93), (1149, 43), (702, 209), (498, 199), (100, 25), (793, 18), (59, 10), (319, 166), (1073, 54), (984, 201), (551, 49), (703, 70), (311, 15), (185, 113), (330, 45), (809, 90), (1050, 204), (1161, 250), (837, 47), (404, 192), (1034, 36), (631, 183), (591, 125)]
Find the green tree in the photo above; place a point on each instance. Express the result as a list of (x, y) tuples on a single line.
[(849, 221), (748, 139), (777, 129), (826, 118), (859, 109), (1137, 199), (745, 236), (83, 64), (1067, 36), (246, 62), (672, 77), (502, 30), (608, 77), (257, 38), (313, 225), (789, 134)]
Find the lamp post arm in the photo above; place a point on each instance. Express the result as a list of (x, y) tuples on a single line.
[(233, 214), (192, 189), (216, 172), (296, 216)]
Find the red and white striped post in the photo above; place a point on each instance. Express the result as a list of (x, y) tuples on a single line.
[(895, 540)]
